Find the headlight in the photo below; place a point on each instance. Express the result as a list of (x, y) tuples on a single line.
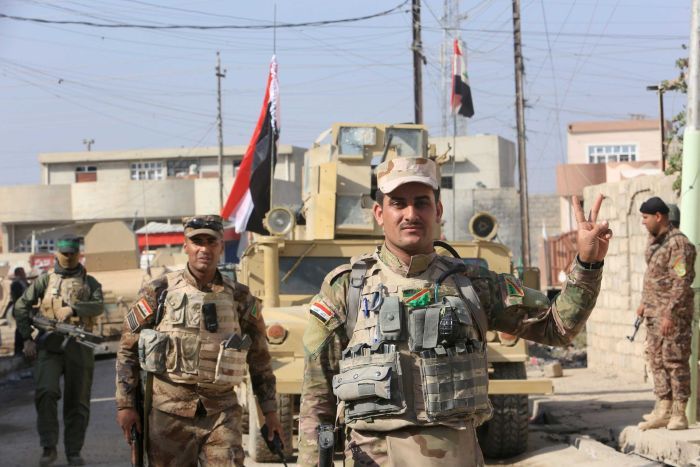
[(276, 334)]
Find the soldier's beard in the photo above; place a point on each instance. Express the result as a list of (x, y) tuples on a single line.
[(67, 262)]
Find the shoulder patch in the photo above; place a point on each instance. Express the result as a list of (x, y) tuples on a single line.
[(254, 310), (679, 266), (321, 311), (139, 314)]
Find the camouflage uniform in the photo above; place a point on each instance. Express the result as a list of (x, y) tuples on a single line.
[(84, 294), (191, 418), (408, 433), (667, 293)]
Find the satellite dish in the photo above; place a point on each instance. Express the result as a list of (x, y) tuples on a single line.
[(483, 226), (279, 221)]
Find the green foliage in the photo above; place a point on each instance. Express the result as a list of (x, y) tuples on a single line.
[(674, 137)]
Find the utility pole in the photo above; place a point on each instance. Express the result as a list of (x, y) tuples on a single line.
[(520, 119), (418, 60), (690, 192), (88, 143), (659, 88), (220, 74)]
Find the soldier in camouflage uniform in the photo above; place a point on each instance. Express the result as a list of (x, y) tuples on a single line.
[(406, 355), (178, 331), (667, 306), (67, 294)]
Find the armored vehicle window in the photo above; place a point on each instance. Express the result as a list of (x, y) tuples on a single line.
[(306, 279), (352, 140), (408, 142), (481, 262)]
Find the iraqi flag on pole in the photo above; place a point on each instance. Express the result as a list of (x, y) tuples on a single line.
[(462, 103), (249, 199)]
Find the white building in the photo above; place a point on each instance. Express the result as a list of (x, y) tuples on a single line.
[(79, 188)]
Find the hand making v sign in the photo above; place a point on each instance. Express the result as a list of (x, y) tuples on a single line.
[(593, 236)]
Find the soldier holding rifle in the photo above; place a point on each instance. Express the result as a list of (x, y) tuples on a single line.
[(66, 296)]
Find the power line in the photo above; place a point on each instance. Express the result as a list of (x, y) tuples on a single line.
[(205, 27)]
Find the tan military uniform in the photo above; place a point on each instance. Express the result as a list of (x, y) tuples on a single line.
[(195, 414), (448, 383)]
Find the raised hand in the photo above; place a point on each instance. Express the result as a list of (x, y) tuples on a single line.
[(593, 237)]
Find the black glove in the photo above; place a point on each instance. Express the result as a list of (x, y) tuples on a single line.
[(276, 446)]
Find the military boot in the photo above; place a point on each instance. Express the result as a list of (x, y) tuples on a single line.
[(650, 415), (678, 419), (48, 457), (659, 418)]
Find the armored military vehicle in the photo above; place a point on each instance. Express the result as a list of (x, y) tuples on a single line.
[(334, 224)]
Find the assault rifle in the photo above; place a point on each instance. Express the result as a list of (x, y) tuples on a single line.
[(637, 323), (68, 332)]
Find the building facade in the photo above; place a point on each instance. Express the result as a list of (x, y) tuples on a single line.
[(604, 152), (137, 186)]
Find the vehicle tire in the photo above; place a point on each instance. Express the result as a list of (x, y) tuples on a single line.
[(505, 435), (257, 449)]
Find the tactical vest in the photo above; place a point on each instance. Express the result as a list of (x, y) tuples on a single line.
[(68, 290), (193, 354), (415, 359)]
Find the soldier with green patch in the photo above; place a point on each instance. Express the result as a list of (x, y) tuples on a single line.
[(195, 333), (398, 335), (66, 294), (667, 307)]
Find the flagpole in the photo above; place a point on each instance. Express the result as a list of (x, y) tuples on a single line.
[(272, 128), (454, 177)]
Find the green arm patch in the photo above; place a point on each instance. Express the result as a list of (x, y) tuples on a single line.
[(315, 336)]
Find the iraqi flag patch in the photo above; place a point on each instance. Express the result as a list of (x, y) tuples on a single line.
[(321, 311), (139, 314)]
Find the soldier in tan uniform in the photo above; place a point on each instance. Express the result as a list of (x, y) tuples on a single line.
[(398, 336), (193, 332), (667, 306), (67, 294)]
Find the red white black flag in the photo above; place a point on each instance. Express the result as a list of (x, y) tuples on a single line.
[(249, 199), (461, 92)]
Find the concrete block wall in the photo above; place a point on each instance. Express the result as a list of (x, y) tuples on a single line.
[(611, 321)]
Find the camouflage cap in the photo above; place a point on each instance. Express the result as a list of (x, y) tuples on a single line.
[(68, 244), (204, 225), (396, 172)]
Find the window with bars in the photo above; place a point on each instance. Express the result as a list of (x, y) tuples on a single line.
[(600, 154), (147, 170)]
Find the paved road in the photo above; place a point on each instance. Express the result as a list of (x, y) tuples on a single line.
[(584, 405), (104, 444)]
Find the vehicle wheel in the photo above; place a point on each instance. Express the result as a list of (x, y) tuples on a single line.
[(257, 449), (505, 435)]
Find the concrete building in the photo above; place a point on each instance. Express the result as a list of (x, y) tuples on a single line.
[(484, 180), (79, 188), (604, 152)]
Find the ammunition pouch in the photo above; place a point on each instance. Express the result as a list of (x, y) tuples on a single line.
[(455, 381), (443, 323), (369, 383), (153, 348), (391, 319), (230, 366)]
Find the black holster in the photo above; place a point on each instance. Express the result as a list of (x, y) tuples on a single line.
[(326, 444)]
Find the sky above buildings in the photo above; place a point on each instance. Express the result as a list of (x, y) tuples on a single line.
[(130, 88)]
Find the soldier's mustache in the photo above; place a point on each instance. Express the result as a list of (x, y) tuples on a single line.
[(410, 225)]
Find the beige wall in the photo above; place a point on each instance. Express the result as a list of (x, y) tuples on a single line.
[(35, 203), (614, 313), (488, 159), (648, 144)]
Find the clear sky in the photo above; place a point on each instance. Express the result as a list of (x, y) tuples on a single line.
[(136, 88)]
